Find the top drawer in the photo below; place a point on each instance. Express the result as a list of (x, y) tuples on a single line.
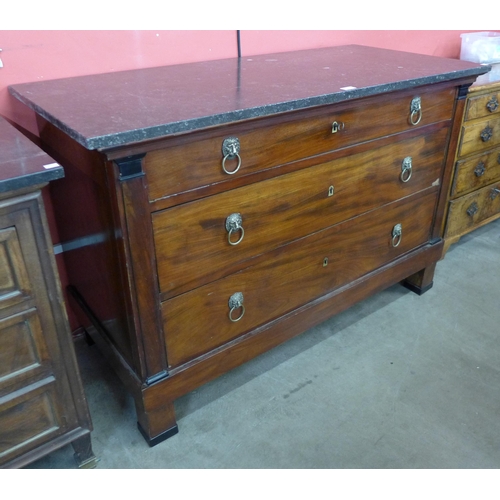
[(483, 105), (196, 160)]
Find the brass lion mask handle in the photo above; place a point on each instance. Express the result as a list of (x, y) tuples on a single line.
[(230, 151), (233, 225), (415, 110), (236, 302), (397, 235), (406, 169)]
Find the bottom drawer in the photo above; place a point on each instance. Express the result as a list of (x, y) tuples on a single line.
[(294, 274), (28, 418), (470, 210)]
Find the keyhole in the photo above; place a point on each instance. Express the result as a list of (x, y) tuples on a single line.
[(325, 261), (336, 126), (330, 191)]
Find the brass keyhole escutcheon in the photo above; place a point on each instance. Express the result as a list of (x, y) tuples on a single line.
[(325, 261), (337, 126), (331, 189)]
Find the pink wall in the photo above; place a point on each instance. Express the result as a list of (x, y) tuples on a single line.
[(437, 43), (30, 56), (42, 55)]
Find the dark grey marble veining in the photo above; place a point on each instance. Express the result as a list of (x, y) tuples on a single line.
[(115, 109), (22, 163)]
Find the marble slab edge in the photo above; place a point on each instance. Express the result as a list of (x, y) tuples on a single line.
[(119, 139), (23, 181)]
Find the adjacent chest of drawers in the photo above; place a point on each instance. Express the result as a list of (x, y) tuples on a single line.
[(42, 403), (474, 191), (214, 210)]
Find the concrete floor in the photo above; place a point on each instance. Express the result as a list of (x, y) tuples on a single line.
[(396, 382)]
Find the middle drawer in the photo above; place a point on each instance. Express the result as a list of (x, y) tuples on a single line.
[(480, 136), (193, 241), (475, 172)]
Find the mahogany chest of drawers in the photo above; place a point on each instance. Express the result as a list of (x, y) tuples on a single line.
[(473, 199), (42, 403), (213, 210)]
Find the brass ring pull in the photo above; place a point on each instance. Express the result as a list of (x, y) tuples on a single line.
[(231, 150), (486, 134), (236, 302), (492, 104), (233, 225), (228, 157), (406, 169), (494, 193), (480, 169), (397, 235), (415, 111), (472, 210)]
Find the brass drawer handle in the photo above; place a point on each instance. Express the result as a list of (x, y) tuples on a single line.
[(233, 225), (492, 104), (494, 193), (406, 169), (397, 235), (415, 111), (486, 134), (337, 126), (231, 150), (236, 302), (480, 169), (472, 210)]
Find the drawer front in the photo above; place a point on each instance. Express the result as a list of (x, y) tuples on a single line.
[(479, 137), (23, 351), (14, 282), (470, 210), (28, 419), (193, 244), (194, 161), (291, 276), (476, 172), (484, 105)]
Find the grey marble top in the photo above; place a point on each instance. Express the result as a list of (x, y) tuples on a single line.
[(22, 163), (115, 109)]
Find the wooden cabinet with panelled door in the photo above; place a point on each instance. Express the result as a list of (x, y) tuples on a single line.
[(42, 403), (474, 192), (230, 205)]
